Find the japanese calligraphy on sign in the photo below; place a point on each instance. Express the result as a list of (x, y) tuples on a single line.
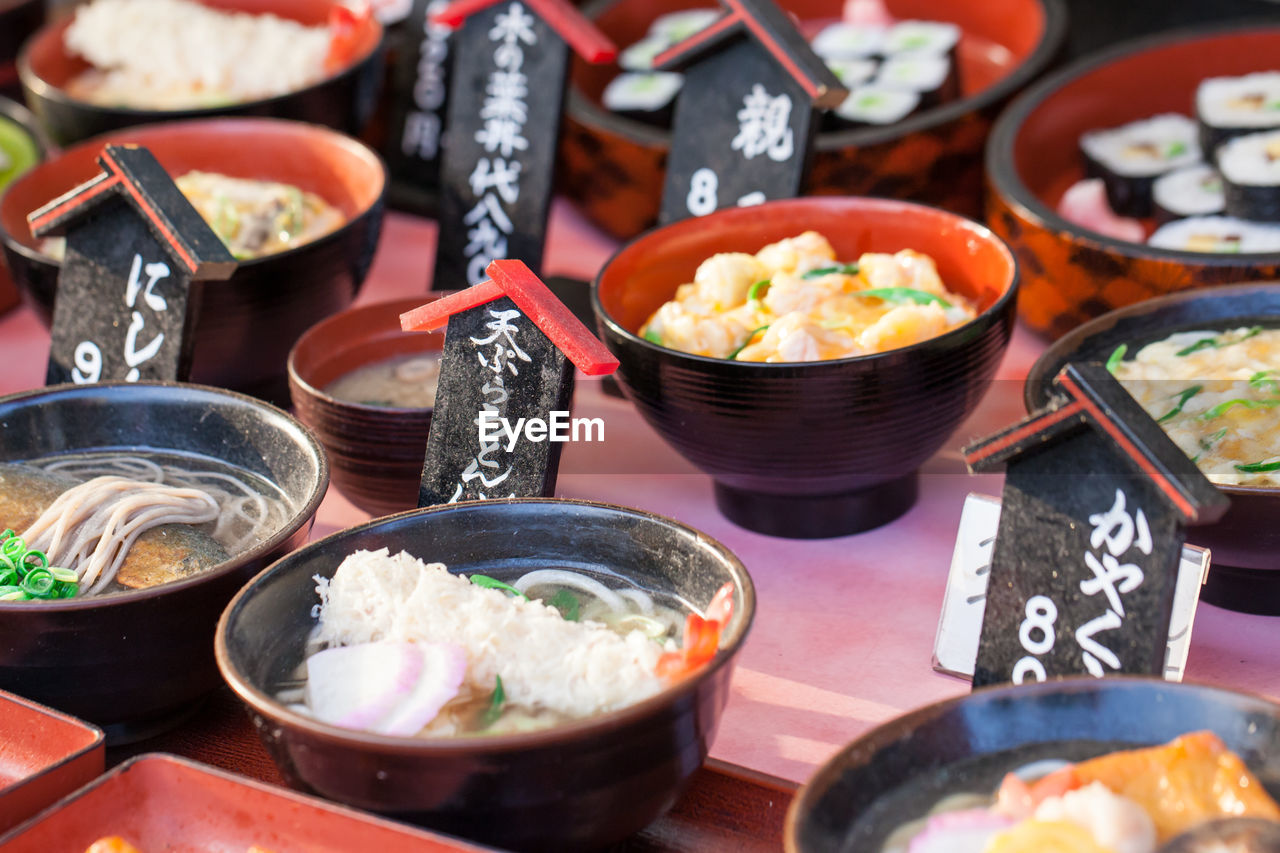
[(420, 93)]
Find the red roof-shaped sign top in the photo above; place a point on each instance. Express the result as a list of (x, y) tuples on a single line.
[(776, 33), (535, 299), (571, 25)]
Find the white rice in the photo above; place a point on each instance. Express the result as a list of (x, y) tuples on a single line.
[(640, 56), (921, 37), (914, 73), (1252, 160), (1145, 148), (853, 72), (1192, 191), (170, 54), (1249, 101), (574, 668), (849, 41), (877, 105), (1199, 233)]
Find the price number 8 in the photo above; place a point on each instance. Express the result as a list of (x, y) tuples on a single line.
[(1037, 635)]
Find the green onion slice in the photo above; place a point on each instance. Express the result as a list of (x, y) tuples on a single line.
[(1182, 401), (1222, 408), (493, 583), (902, 295), (496, 700), (1117, 356), (1259, 467), (1208, 441), (1218, 343), (733, 355), (652, 337), (842, 269), (753, 295)]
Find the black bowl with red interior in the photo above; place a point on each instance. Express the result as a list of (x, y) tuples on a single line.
[(344, 98)]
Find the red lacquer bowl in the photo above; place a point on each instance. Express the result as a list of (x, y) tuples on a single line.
[(44, 754), (612, 167), (1071, 275), (345, 99), (820, 448), (246, 324)]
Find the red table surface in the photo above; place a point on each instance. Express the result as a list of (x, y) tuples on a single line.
[(845, 627)]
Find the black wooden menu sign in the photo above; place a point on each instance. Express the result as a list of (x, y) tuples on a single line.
[(419, 95), (134, 246), (1096, 499), (509, 354), (747, 113), (506, 92)]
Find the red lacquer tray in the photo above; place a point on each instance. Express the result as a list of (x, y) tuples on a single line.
[(44, 754)]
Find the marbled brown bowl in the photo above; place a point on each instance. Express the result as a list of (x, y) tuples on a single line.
[(612, 167), (376, 452), (130, 661), (820, 448), (345, 99), (1070, 274), (246, 324), (577, 786), (1245, 542), (896, 771)]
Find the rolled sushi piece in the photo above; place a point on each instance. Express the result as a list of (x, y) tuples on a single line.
[(1228, 107), (1250, 168), (932, 77), (932, 38), (1217, 234), (640, 56), (876, 106), (675, 27), (1130, 158), (849, 41), (644, 96), (853, 72), (1190, 191)]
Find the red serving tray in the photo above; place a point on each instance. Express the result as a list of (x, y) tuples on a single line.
[(164, 803), (44, 755)]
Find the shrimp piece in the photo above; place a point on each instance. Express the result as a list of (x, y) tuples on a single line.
[(904, 269), (800, 254), (722, 281), (1117, 823), (797, 338), (789, 292), (675, 326), (903, 326)]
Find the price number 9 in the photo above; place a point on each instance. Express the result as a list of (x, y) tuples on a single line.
[(1037, 635), (88, 363)]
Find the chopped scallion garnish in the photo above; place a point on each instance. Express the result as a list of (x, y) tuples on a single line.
[(842, 269), (733, 355), (753, 295), (568, 605), (496, 700), (1117, 356), (1183, 397), (903, 295), (493, 583), (1222, 408), (1259, 467)]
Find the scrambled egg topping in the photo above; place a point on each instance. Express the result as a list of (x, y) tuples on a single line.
[(792, 301)]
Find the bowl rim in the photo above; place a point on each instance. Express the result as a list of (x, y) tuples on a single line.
[(573, 730), (1071, 341), (888, 731), (870, 203), (584, 110), (322, 396), (36, 86), (1003, 177), (297, 520), (332, 137), (16, 113)]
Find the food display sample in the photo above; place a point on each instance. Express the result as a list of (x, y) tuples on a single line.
[(794, 301), (892, 68), (252, 217), (88, 524), (1124, 802), (18, 151), (405, 648), (399, 382), (1211, 184), (1217, 395), (180, 54), (116, 844)]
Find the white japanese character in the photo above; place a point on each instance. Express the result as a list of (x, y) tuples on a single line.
[(1116, 528), (485, 239), (502, 135), (497, 174), (421, 137), (513, 25), (505, 100), (764, 126), (502, 327), (1111, 578), (155, 272), (1093, 650)]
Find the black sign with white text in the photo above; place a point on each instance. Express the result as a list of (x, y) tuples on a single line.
[(419, 97)]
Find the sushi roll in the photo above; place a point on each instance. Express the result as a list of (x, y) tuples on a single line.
[(1217, 234), (876, 106), (1250, 168), (932, 77), (1190, 191), (1130, 158), (646, 97), (1233, 106), (849, 41), (640, 56), (675, 27), (931, 38), (853, 72)]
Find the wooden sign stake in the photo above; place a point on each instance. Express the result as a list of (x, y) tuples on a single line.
[(510, 349), (745, 118), (506, 94), (1096, 499), (134, 246)]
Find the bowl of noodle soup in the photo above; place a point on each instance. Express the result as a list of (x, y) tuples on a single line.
[(163, 499)]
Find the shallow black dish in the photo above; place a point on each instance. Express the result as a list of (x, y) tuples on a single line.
[(580, 785), (895, 772), (129, 662), (1245, 575)]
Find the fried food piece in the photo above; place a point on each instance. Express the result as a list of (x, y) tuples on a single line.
[(112, 844), (26, 492), (168, 553)]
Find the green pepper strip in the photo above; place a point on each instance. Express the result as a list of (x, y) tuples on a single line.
[(1182, 401), (493, 583), (496, 701), (1117, 356), (1222, 408), (1217, 343), (1259, 467), (842, 269), (903, 294), (753, 295), (733, 355)]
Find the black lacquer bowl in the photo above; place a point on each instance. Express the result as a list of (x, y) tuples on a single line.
[(245, 325), (1245, 542), (345, 99), (130, 661), (580, 785), (897, 771), (812, 449)]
